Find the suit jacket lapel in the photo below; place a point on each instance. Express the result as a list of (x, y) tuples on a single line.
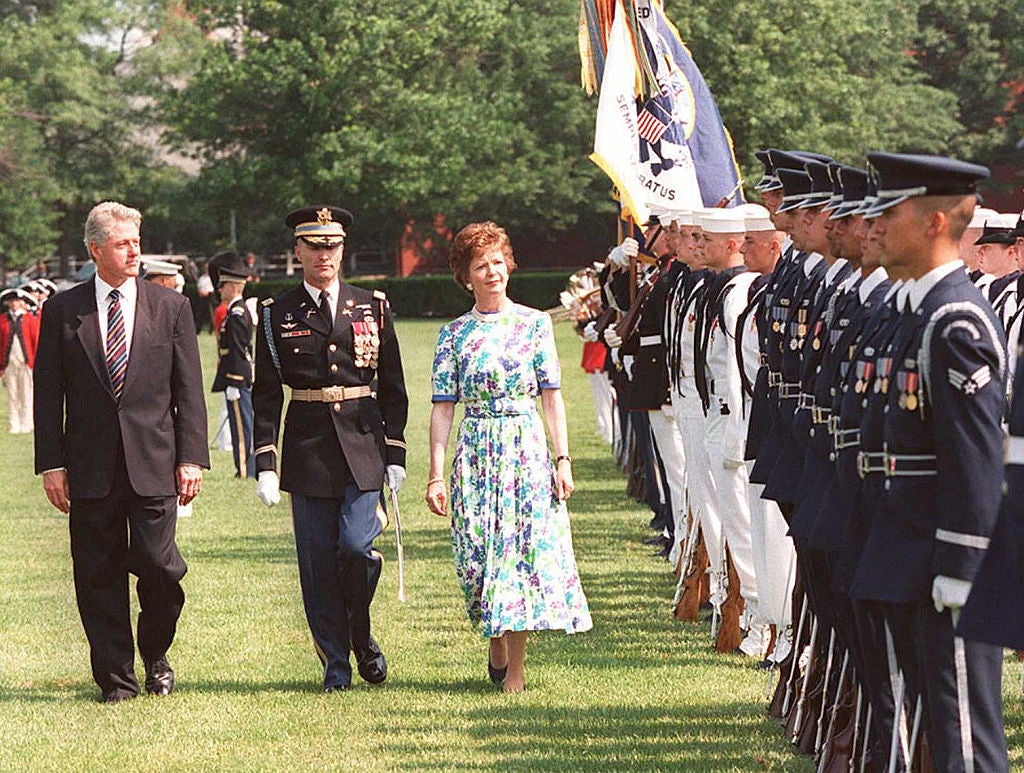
[(90, 338), (141, 331)]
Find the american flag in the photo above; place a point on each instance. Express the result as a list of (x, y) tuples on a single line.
[(649, 125)]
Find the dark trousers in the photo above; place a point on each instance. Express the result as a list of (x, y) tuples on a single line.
[(338, 572), (111, 537), (961, 684), (240, 425)]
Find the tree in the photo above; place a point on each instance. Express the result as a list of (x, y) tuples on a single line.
[(836, 78), (397, 110), (74, 113)]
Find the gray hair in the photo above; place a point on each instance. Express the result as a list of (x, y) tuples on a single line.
[(105, 214)]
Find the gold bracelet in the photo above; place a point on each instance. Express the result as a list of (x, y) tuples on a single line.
[(432, 481)]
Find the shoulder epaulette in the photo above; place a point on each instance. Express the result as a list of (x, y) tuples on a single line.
[(266, 301)]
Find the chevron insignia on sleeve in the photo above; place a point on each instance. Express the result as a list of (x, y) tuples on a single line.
[(972, 384)]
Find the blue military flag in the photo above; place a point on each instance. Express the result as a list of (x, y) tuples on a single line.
[(693, 107)]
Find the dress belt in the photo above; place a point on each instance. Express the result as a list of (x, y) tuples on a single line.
[(331, 394), (502, 406), (789, 391)]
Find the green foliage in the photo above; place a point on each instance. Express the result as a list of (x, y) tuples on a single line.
[(974, 50), (73, 100), (399, 110), (403, 110), (818, 75)]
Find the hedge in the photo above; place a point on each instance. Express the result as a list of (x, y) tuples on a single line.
[(435, 296)]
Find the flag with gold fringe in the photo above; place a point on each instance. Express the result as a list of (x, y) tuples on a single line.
[(670, 150)]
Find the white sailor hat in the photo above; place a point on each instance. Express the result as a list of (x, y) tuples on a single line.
[(722, 221)]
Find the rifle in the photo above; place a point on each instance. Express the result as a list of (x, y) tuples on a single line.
[(729, 636)]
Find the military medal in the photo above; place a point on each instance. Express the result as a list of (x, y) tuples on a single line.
[(911, 401)]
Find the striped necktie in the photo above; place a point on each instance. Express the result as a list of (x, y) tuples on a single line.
[(117, 344)]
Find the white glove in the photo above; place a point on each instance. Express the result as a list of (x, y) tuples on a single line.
[(627, 365), (590, 331), (620, 255), (268, 488), (613, 339), (395, 477), (949, 592), (231, 394)]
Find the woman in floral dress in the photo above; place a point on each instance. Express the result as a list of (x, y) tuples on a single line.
[(510, 528)]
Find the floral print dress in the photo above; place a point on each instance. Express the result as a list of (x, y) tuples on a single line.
[(510, 534)]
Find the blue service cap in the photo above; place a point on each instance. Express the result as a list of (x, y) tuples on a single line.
[(837, 187), (854, 182), (769, 180), (903, 176), (796, 186), (821, 185)]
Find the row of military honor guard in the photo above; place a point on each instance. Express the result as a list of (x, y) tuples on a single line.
[(812, 396)]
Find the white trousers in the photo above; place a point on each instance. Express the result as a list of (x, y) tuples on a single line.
[(701, 496), (673, 457), (733, 487), (18, 383), (604, 405), (774, 559)]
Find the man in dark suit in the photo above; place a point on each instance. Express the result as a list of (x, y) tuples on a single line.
[(328, 341), (120, 428)]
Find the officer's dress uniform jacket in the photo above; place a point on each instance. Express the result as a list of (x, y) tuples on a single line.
[(234, 347), (789, 306), (330, 444), (650, 371), (994, 612)]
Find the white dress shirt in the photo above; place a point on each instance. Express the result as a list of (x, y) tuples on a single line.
[(129, 297)]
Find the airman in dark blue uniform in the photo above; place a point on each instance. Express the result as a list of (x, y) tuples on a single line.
[(941, 459)]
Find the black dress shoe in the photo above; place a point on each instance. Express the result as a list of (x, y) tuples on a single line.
[(372, 665), (159, 677), (116, 696), (497, 675)]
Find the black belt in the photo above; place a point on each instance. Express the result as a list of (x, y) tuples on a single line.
[(789, 391), (820, 414), (845, 438), (896, 465)]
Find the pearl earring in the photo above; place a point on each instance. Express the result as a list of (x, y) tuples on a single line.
[(469, 287)]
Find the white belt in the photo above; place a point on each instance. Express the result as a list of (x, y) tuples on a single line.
[(1013, 452), (650, 340)]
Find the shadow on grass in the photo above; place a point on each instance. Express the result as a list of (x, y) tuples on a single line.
[(63, 692), (248, 548), (620, 737)]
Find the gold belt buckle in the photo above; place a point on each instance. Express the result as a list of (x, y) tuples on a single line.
[(332, 394)]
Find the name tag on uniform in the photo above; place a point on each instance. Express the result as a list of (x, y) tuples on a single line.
[(295, 333)]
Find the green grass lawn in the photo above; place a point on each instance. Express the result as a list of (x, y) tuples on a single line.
[(639, 692)]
